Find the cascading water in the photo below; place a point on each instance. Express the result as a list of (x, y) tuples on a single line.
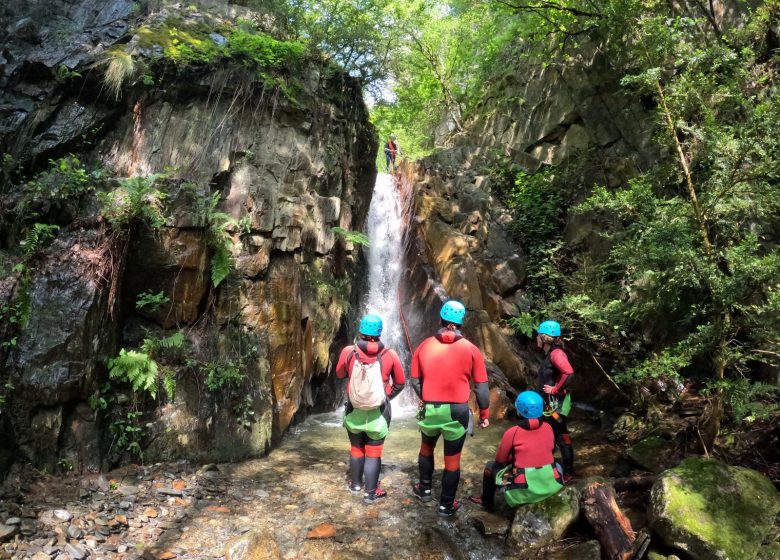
[(385, 231)]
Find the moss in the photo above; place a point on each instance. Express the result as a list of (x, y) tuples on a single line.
[(704, 506), (651, 453)]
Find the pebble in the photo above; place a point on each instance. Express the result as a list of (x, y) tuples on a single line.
[(7, 531), (13, 521), (128, 490), (170, 492), (41, 556), (125, 505), (75, 551), (122, 548), (74, 532), (63, 514)]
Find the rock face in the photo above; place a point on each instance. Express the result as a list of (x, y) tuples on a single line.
[(263, 170), (711, 510)]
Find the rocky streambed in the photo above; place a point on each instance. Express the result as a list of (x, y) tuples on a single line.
[(294, 504)]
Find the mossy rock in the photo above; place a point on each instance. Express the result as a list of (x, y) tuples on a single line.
[(589, 550), (653, 453), (712, 510), (769, 552), (538, 525)]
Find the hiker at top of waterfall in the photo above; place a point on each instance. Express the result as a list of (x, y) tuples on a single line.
[(555, 374), (392, 149), (375, 376), (442, 368), (524, 465)]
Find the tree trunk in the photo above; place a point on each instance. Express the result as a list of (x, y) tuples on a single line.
[(613, 529)]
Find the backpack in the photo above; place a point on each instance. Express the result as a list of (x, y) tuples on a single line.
[(366, 387)]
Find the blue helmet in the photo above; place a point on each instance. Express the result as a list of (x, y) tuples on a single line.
[(453, 312), (529, 404), (550, 328), (370, 325)]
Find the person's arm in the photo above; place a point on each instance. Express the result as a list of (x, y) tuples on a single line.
[(504, 451), (341, 366), (416, 378), (481, 388), (397, 376), (561, 362)]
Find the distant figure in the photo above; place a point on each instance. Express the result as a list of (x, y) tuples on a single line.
[(555, 374), (524, 466), (442, 368), (375, 377), (391, 150)]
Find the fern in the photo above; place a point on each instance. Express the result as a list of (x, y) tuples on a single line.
[(221, 264), (136, 368), (173, 342), (352, 236), (152, 301), (169, 382), (38, 236)]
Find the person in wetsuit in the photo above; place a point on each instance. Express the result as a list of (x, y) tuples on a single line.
[(367, 429), (391, 150), (442, 367), (524, 462), (555, 374)]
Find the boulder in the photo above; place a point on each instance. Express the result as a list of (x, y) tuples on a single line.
[(712, 510), (538, 525), (653, 453)]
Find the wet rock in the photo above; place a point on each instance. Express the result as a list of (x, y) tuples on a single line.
[(490, 524), (252, 546), (538, 525), (324, 531), (653, 453), (74, 532), (590, 550), (13, 521), (712, 510)]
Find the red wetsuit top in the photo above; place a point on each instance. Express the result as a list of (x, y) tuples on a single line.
[(556, 371), (529, 444), (445, 364), (368, 352)]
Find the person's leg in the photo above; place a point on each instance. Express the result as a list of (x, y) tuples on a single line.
[(387, 161), (357, 455), (373, 464), (454, 438), (489, 485), (425, 464), (563, 441)]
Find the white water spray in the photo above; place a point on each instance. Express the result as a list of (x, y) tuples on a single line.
[(385, 231)]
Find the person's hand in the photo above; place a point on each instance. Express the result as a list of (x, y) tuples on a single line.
[(549, 389), (484, 423)]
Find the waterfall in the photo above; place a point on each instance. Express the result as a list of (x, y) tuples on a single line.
[(385, 231)]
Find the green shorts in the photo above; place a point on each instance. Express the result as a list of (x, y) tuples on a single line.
[(540, 483), (371, 422), (449, 420)]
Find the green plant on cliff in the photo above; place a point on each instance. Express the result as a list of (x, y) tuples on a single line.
[(118, 69), (134, 199), (151, 301), (355, 237), (218, 237)]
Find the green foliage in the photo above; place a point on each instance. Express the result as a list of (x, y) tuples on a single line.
[(223, 374), (63, 74), (536, 207), (150, 301), (748, 401), (218, 237), (263, 51), (245, 416), (524, 323), (65, 464), (127, 432), (326, 289), (136, 198), (37, 236), (66, 179), (352, 236), (136, 368)]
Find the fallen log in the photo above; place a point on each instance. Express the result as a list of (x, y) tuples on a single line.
[(613, 529), (634, 483)]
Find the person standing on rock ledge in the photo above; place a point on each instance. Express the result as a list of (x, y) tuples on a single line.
[(392, 149), (524, 463), (442, 368), (376, 376), (555, 373)]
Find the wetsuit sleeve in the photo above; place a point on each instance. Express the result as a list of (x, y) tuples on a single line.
[(341, 366), (397, 376), (504, 451), (561, 363), (416, 374), (479, 375)]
